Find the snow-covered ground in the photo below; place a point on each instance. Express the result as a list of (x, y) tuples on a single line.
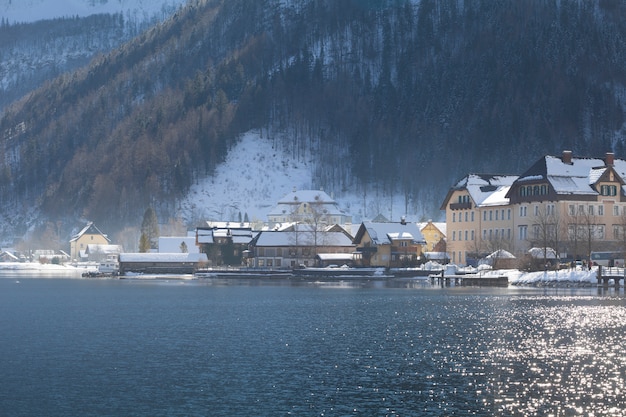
[(26, 11), (549, 278), (257, 174), (39, 270)]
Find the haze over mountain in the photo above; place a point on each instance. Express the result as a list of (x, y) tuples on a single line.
[(379, 98)]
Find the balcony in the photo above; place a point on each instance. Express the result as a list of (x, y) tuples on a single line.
[(461, 206)]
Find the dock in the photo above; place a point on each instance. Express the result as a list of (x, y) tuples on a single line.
[(606, 274), (469, 280)]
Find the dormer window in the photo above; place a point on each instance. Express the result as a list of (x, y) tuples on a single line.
[(608, 190)]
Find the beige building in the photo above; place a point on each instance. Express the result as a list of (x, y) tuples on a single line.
[(479, 218), (313, 207), (573, 205), (89, 235)]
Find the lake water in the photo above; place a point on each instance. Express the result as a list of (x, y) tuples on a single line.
[(251, 348)]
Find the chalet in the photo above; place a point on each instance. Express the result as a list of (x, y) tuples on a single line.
[(161, 263), (90, 234), (299, 246), (7, 256), (389, 244), (225, 244)]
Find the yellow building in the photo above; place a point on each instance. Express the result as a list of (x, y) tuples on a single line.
[(433, 232), (572, 205), (479, 219), (90, 235)]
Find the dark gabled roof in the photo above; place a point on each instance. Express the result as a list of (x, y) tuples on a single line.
[(384, 233), (89, 229)]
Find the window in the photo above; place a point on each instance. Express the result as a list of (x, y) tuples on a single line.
[(454, 235), (616, 232), (600, 210), (466, 216), (496, 215), (536, 209), (509, 214), (490, 215), (466, 234), (571, 210), (608, 190), (472, 216), (484, 216), (599, 231), (453, 217), (591, 211), (535, 231), (616, 210), (522, 211), (550, 210), (581, 209), (472, 234), (523, 232)]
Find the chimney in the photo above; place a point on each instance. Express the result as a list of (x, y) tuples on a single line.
[(609, 159), (567, 157), (403, 220)]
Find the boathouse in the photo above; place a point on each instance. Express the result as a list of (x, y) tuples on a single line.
[(161, 263)]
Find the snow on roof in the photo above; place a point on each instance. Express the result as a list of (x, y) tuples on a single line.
[(273, 238), (487, 189), (295, 198), (501, 254), (91, 229), (335, 256), (163, 257), (497, 197), (385, 233), (577, 176), (306, 196)]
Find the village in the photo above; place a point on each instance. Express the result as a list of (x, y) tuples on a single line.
[(562, 211)]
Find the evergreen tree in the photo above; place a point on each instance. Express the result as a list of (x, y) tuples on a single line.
[(149, 231)]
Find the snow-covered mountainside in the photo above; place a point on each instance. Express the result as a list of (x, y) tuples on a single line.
[(256, 175), (28, 11)]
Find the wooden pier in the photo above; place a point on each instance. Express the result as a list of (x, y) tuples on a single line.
[(606, 274), (469, 280)]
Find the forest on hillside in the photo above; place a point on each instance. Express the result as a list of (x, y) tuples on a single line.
[(390, 97)]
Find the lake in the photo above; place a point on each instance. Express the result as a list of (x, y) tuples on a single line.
[(107, 347)]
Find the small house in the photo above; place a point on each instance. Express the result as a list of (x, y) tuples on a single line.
[(389, 244)]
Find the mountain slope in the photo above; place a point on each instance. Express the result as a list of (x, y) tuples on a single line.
[(379, 98)]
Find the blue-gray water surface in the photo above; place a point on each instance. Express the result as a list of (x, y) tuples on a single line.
[(81, 347)]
